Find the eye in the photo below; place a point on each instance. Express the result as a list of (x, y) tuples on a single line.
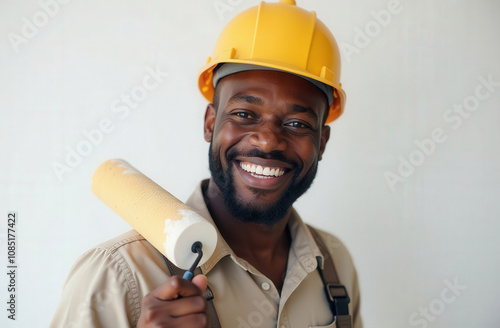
[(298, 125), (243, 115)]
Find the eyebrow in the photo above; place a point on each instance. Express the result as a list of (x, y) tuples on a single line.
[(308, 110), (239, 97)]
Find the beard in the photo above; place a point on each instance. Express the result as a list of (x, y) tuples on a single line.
[(254, 212)]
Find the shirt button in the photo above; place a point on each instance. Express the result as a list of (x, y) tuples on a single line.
[(282, 326), (265, 286)]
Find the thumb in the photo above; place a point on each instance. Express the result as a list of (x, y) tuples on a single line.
[(201, 282)]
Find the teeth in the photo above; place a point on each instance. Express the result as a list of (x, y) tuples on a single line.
[(258, 170)]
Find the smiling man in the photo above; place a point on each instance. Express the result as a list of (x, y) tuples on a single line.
[(272, 86), (267, 135), (267, 126)]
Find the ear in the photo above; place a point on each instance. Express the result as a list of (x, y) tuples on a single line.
[(325, 136), (208, 127)]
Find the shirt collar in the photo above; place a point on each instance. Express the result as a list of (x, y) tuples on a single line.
[(222, 249), (303, 244)]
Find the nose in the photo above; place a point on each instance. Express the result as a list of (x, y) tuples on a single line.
[(268, 137)]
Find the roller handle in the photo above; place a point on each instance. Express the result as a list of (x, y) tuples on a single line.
[(195, 248)]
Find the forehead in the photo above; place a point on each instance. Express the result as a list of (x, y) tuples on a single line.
[(272, 86)]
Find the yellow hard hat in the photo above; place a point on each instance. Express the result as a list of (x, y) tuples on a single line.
[(279, 36)]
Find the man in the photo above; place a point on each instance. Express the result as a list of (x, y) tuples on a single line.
[(272, 85)]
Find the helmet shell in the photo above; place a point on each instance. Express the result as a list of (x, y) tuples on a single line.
[(280, 36)]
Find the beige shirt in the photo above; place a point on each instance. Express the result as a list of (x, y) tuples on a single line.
[(106, 285)]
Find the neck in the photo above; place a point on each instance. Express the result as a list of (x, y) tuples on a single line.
[(263, 246)]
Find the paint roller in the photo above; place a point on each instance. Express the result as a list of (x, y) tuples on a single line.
[(173, 228)]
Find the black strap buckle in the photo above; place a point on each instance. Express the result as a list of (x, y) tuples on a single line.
[(338, 298), (208, 294)]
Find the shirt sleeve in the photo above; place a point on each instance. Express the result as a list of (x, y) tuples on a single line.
[(99, 292)]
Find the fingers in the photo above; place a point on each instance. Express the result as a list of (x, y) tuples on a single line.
[(174, 308), (176, 303), (176, 287), (201, 282)]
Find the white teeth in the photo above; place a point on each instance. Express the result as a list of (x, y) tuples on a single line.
[(258, 170)]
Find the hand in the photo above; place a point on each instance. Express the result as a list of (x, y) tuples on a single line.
[(176, 303)]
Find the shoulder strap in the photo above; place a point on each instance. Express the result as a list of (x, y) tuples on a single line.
[(336, 292), (213, 319)]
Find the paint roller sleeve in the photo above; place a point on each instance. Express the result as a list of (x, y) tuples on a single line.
[(168, 224)]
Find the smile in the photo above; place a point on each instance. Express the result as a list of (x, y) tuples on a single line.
[(263, 172)]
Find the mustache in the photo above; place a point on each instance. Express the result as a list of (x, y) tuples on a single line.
[(274, 155)]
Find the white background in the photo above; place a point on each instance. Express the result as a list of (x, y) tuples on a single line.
[(439, 224)]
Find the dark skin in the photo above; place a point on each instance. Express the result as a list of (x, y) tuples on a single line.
[(271, 111), (176, 303), (252, 242)]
